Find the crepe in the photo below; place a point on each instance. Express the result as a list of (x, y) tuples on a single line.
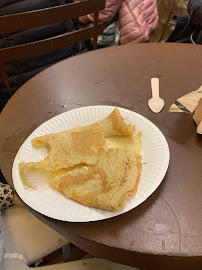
[(67, 149), (114, 125), (98, 165), (105, 185), (76, 146), (130, 142)]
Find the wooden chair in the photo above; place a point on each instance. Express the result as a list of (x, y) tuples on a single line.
[(25, 235), (27, 240), (170, 14), (37, 18)]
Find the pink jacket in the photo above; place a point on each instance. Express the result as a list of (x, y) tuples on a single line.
[(137, 18)]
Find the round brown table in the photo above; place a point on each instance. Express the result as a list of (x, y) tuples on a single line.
[(165, 232)]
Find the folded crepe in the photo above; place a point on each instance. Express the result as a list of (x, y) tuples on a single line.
[(75, 146), (98, 165), (114, 125), (105, 185)]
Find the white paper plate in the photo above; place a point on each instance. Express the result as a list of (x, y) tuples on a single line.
[(52, 203)]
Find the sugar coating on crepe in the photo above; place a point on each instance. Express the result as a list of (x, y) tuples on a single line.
[(105, 185)]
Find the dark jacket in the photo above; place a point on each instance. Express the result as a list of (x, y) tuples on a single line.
[(21, 71), (189, 28), (195, 12)]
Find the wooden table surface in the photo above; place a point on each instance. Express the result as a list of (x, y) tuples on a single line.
[(164, 232)]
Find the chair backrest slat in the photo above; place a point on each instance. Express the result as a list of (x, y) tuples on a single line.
[(47, 45), (37, 18)]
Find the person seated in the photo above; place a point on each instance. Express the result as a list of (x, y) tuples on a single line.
[(19, 72), (188, 28), (136, 19)]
